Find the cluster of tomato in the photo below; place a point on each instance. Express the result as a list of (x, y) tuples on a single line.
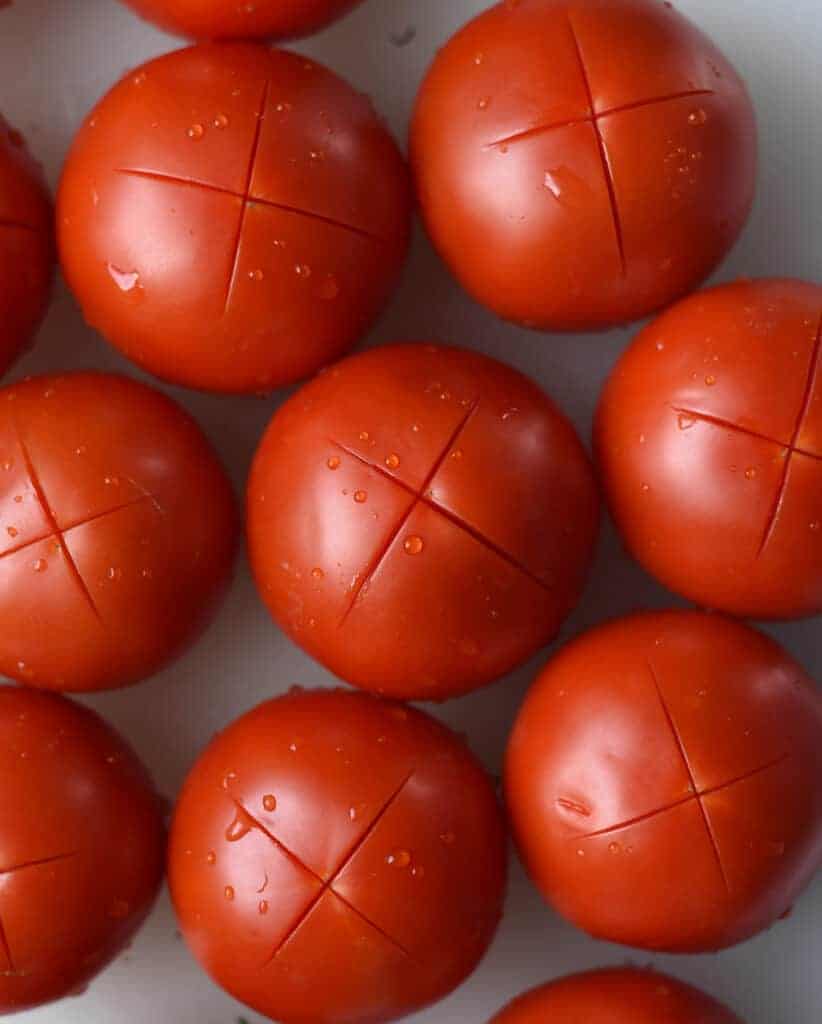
[(420, 519)]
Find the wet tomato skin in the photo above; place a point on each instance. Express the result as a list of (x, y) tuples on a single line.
[(709, 443), (233, 217), (82, 847), (616, 996), (26, 245), (226, 19), (664, 780), (580, 166), (118, 530), (421, 520), (335, 858)]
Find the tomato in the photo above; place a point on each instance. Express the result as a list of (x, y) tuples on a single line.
[(229, 19), (337, 858), (664, 779), (233, 217), (117, 531), (26, 246), (709, 436), (421, 520), (82, 847), (616, 996), (581, 165)]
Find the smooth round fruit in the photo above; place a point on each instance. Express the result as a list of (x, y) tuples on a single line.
[(616, 996), (580, 165), (233, 217), (117, 531), (337, 858), (664, 779), (82, 847), (421, 520), (228, 19), (26, 246), (709, 437)]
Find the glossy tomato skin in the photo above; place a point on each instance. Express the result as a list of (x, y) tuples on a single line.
[(337, 858), (709, 439), (580, 165), (118, 531), (664, 779), (26, 245), (82, 847), (616, 996), (421, 520), (226, 19), (233, 217)]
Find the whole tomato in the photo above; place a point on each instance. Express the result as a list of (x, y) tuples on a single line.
[(229, 19), (580, 165), (233, 217), (337, 858), (118, 530), (26, 246), (421, 520), (664, 779), (616, 996), (82, 847), (709, 440)]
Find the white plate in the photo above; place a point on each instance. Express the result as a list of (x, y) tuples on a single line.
[(56, 59)]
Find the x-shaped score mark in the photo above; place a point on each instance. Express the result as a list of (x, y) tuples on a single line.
[(696, 793), (791, 449), (58, 534), (247, 198), (5, 947), (421, 497), (594, 118), (327, 883)]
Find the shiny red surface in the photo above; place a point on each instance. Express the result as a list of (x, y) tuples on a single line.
[(616, 996), (664, 779), (581, 164), (229, 19), (117, 531), (26, 245), (421, 520), (233, 217), (337, 859), (81, 847), (709, 437)]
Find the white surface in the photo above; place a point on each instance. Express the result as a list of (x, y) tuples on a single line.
[(56, 58)]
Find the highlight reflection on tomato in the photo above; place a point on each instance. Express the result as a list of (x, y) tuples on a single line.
[(709, 438), (117, 531), (581, 165), (421, 520), (664, 779), (229, 19), (233, 217), (26, 245), (616, 996), (337, 858), (82, 847)]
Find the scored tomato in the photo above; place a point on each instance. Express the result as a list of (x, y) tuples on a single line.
[(337, 858)]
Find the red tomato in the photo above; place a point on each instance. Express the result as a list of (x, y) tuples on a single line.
[(421, 520), (233, 217), (664, 779), (616, 996), (336, 858), (709, 436), (231, 19), (581, 165), (117, 531), (82, 846), (26, 246)]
